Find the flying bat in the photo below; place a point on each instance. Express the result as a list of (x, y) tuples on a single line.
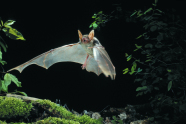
[(88, 51)]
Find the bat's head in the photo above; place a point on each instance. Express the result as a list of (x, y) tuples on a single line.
[(86, 38)]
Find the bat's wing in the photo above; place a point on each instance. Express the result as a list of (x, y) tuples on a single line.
[(67, 53), (104, 62)]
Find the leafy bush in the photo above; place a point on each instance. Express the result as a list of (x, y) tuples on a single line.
[(162, 72), (15, 35)]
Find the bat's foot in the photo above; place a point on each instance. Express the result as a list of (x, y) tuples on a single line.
[(83, 66)]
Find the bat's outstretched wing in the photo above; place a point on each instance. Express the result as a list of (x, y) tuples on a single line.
[(67, 53), (104, 62)]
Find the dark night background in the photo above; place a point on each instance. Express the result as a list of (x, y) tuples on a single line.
[(49, 25)]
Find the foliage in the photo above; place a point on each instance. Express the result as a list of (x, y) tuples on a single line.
[(163, 73), (15, 35), (101, 19), (67, 114), (116, 120)]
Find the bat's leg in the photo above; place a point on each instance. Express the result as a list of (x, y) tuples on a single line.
[(85, 63)]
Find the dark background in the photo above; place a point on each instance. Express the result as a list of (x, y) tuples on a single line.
[(48, 25)]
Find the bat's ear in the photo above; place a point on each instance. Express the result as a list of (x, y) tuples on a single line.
[(80, 35), (91, 35)]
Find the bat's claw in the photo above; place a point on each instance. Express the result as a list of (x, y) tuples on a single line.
[(83, 66)]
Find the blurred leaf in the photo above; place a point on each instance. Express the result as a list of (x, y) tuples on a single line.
[(126, 55), (129, 58), (133, 13), (138, 80), (139, 36), (160, 37), (169, 85), (134, 66), (138, 47), (156, 88), (94, 16), (2, 45), (0, 55), (1, 23), (141, 88), (182, 107), (140, 94), (156, 111), (153, 28), (148, 10), (149, 45)]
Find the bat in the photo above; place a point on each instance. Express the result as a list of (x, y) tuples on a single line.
[(88, 51)]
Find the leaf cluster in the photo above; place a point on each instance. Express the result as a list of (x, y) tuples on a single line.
[(15, 35), (163, 72), (101, 19)]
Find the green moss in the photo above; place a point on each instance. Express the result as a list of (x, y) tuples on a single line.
[(54, 120), (85, 119), (2, 122), (12, 108)]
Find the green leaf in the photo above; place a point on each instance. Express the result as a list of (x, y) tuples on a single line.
[(134, 66), (94, 16), (129, 58), (148, 60), (136, 80), (168, 70), (138, 47), (9, 22), (140, 94), (9, 77), (125, 70), (148, 10), (3, 62), (139, 36), (1, 23), (139, 70), (100, 12), (141, 88), (2, 45), (114, 117), (0, 55), (4, 88), (13, 34), (21, 93), (159, 11), (169, 85), (133, 13)]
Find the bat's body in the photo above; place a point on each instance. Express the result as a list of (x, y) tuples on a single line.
[(88, 51)]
